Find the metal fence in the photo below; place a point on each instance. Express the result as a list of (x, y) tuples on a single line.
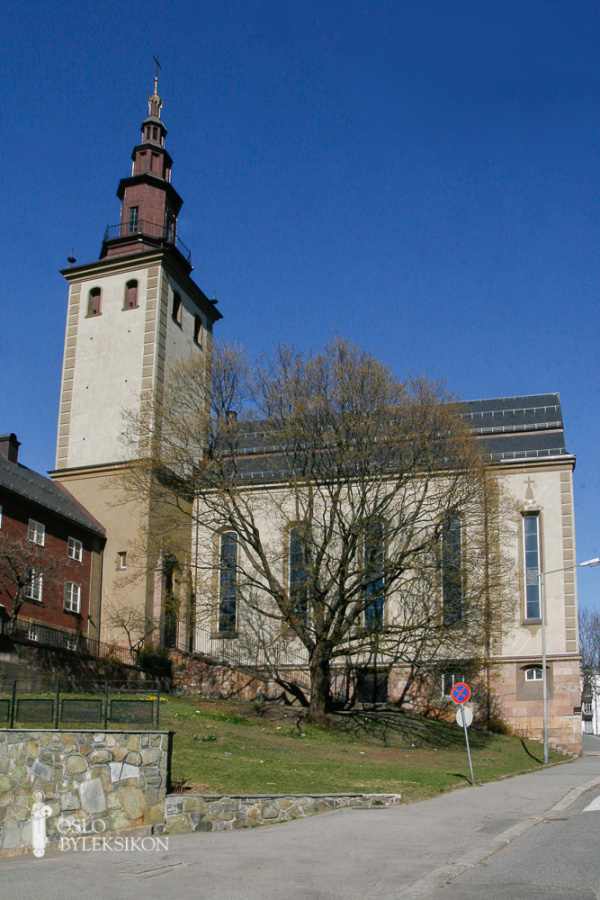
[(165, 233), (63, 708), (44, 636)]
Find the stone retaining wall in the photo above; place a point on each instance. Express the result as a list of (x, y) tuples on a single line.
[(217, 812), (93, 780)]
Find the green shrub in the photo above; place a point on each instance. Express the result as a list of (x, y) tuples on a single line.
[(155, 662)]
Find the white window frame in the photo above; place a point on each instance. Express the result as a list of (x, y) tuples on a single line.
[(535, 672), (72, 597), (35, 586), (457, 678), (526, 518), (36, 532), (75, 549)]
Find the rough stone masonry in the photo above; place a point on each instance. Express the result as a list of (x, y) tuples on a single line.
[(91, 779)]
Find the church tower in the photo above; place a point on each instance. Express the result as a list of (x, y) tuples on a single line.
[(132, 314)]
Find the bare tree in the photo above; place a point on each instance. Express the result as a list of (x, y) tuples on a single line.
[(589, 647), (133, 623), (27, 571), (357, 507)]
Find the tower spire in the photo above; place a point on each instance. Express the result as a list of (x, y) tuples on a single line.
[(149, 203), (155, 103)]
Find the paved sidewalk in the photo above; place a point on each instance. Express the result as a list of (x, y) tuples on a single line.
[(400, 852)]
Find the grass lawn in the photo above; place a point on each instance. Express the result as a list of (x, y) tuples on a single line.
[(228, 747)]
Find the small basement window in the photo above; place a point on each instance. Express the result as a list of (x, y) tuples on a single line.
[(534, 673), (449, 679), (122, 560)]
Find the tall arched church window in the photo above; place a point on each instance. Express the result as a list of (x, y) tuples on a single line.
[(131, 295), (374, 562), (531, 536), (228, 576), (298, 550), (452, 571), (94, 302)]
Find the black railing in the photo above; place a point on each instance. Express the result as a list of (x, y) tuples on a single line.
[(73, 705), (167, 233), (44, 636)]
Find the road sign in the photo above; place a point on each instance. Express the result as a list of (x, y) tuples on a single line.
[(461, 692), (467, 713)]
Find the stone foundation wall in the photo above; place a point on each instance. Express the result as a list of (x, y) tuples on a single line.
[(92, 781), (524, 714), (192, 675), (215, 812)]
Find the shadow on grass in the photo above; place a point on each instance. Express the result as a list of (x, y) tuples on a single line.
[(420, 731), (529, 753)]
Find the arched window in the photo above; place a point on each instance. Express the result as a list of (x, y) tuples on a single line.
[(228, 582), (531, 535), (131, 295), (95, 302), (298, 550), (452, 571), (177, 308), (534, 673), (374, 561), (170, 602), (197, 330)]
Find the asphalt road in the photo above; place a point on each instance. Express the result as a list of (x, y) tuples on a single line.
[(559, 859), (521, 838)]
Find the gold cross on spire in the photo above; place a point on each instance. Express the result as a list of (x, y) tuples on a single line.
[(158, 66)]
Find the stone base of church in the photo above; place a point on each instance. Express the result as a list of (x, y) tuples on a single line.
[(516, 702), (520, 702)]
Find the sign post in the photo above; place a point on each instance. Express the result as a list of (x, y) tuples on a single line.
[(460, 694)]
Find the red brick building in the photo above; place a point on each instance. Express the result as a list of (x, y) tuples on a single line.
[(51, 548)]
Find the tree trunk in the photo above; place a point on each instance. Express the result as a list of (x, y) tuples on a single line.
[(320, 683)]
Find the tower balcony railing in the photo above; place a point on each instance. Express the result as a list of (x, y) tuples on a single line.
[(166, 233)]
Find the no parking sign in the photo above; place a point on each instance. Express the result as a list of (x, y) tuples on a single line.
[(460, 693)]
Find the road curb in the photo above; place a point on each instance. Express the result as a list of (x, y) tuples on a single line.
[(436, 879)]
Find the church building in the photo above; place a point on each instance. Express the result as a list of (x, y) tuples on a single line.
[(136, 311)]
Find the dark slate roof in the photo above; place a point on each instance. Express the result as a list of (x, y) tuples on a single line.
[(510, 428), (518, 428), (45, 493)]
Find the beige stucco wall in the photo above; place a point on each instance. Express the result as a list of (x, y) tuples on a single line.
[(116, 360), (100, 490), (545, 489), (542, 487)]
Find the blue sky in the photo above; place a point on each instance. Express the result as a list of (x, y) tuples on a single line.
[(421, 178)]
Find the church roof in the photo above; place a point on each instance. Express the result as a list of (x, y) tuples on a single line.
[(529, 427), (46, 494), (510, 428)]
